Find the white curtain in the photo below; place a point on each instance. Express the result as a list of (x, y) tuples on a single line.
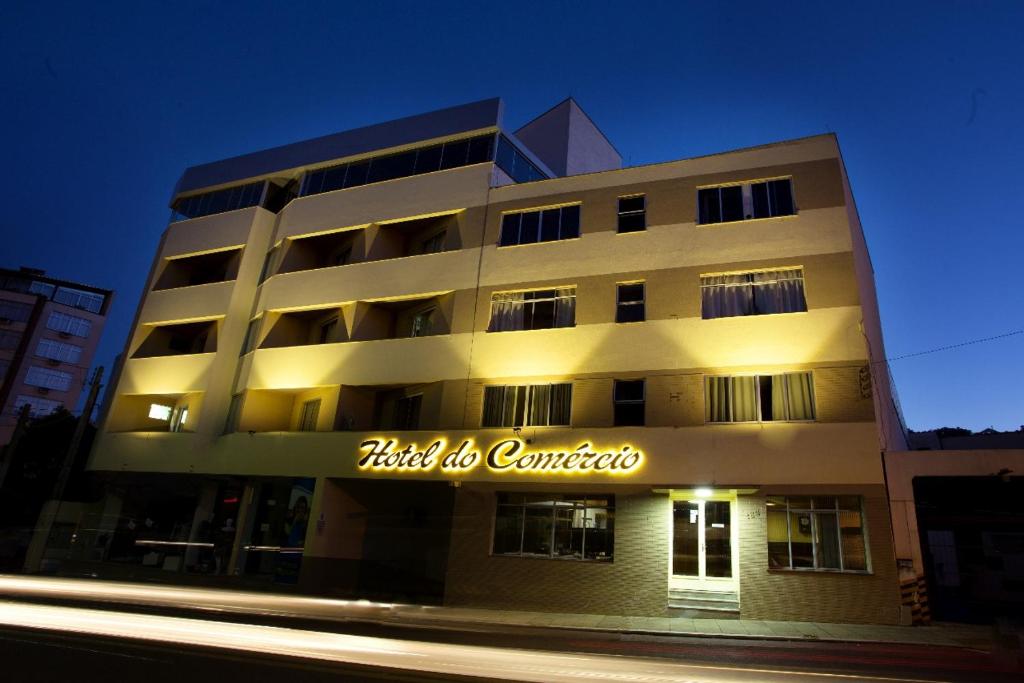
[(506, 312)]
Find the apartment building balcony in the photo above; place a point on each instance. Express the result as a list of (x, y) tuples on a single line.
[(380, 361), (211, 233), (338, 408), (187, 303), (420, 195)]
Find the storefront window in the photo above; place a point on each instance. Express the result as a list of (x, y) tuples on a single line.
[(555, 526), (824, 533)]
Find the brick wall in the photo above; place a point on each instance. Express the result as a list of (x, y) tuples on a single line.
[(818, 596), (838, 398), (636, 583)]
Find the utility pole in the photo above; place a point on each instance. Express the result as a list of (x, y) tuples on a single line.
[(46, 519), (11, 448)]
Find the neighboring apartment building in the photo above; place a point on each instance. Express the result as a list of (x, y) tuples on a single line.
[(49, 329), (436, 360)]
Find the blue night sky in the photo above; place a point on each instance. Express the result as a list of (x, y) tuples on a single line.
[(104, 106)]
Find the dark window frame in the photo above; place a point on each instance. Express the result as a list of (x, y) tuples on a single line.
[(621, 307), (538, 225), (638, 217), (752, 197), (814, 512), (524, 399), (623, 409), (515, 507)]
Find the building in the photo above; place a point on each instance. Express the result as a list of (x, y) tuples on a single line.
[(958, 523), (440, 361), (49, 329)]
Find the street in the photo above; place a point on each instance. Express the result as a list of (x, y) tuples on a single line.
[(57, 643)]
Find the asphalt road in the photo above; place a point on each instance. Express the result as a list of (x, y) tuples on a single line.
[(73, 644)]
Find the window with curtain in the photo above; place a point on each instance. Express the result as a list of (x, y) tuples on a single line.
[(537, 405), (560, 526), (818, 533), (536, 310), (746, 201), (759, 398), (754, 293), (546, 225)]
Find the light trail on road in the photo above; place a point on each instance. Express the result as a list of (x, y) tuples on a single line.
[(390, 653)]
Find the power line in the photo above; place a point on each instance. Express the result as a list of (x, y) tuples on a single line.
[(954, 346)]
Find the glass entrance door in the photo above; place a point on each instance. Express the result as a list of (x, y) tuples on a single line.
[(702, 543)]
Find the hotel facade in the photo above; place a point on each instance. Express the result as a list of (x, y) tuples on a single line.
[(435, 360)]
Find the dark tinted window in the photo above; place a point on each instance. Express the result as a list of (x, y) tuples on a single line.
[(510, 229), (710, 209), (630, 306), (209, 203), (629, 403), (548, 225), (428, 160), (455, 154), (732, 203), (632, 213), (390, 167), (357, 174)]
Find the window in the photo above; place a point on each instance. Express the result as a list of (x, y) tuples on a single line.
[(407, 412), (69, 324), (179, 418), (4, 365), (434, 244), (37, 407), (759, 398), (251, 336), (516, 164), (546, 225), (423, 323), (234, 414), (14, 311), (55, 350), (742, 202), (760, 293), (533, 405), (823, 533), (48, 379), (629, 303), (629, 398), (633, 213), (452, 154), (562, 526), (309, 415), (160, 412), (88, 301), (537, 310), (219, 201), (9, 340), (327, 330)]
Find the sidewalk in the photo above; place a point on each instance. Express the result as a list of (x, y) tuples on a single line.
[(29, 588), (945, 635)]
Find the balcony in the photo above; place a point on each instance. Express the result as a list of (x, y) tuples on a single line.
[(187, 303), (422, 195), (210, 233), (179, 340), (188, 271), (340, 408)]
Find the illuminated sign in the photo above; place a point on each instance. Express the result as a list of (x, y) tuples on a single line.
[(505, 456)]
